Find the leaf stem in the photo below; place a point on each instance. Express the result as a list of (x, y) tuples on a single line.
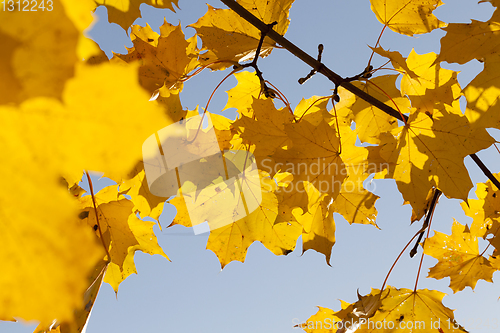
[(97, 215), (397, 259)]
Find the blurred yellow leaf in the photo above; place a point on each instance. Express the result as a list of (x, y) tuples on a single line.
[(38, 231), (39, 51)]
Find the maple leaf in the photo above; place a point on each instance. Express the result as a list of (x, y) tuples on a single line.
[(165, 59), (418, 311), (429, 152), (243, 94), (464, 42), (483, 210), (230, 39), (37, 209), (370, 120), (266, 125), (397, 60), (397, 310), (136, 186), (271, 224), (39, 50), (321, 322), (408, 17), (459, 258), (482, 95), (314, 156), (318, 228), (433, 87), (354, 202), (82, 314), (122, 231), (125, 12)]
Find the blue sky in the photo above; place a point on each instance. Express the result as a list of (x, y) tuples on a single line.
[(269, 293)]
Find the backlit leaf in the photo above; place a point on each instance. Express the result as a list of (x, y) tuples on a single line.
[(459, 258), (408, 17), (125, 12)]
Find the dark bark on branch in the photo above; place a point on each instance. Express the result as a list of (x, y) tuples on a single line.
[(331, 75)]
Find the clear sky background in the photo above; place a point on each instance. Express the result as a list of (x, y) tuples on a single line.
[(268, 293)]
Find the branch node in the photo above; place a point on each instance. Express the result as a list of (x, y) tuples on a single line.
[(313, 71)]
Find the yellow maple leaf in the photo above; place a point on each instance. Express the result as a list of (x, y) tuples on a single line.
[(122, 232), (92, 110), (484, 210), (408, 17), (314, 156), (433, 86), (243, 94), (429, 152), (266, 125), (271, 224), (397, 310), (354, 202), (322, 321), (482, 95), (318, 226), (404, 310), (125, 12), (82, 314), (397, 60), (136, 186), (38, 232), (230, 39), (164, 59), (232, 241), (464, 42), (40, 49), (459, 258), (370, 120)]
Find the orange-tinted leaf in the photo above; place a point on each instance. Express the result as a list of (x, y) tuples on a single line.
[(230, 39), (164, 59)]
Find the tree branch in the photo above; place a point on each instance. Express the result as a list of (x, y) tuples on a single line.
[(331, 75), (314, 63)]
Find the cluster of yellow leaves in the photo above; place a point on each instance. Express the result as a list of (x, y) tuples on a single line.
[(62, 115)]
